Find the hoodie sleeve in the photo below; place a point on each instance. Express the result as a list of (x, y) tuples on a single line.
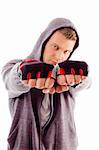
[(12, 79), (86, 83)]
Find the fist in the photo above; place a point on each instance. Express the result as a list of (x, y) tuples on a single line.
[(36, 74), (71, 72)]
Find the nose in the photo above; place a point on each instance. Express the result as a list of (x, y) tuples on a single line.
[(60, 56)]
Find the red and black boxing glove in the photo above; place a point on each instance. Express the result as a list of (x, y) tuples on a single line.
[(33, 69), (73, 67)]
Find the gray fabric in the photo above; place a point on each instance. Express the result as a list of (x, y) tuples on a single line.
[(45, 109), (26, 132)]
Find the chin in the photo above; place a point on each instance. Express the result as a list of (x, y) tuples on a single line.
[(49, 62)]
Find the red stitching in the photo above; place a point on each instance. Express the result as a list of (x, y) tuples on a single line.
[(81, 72), (72, 71), (49, 74), (28, 60), (62, 72), (38, 74), (28, 76)]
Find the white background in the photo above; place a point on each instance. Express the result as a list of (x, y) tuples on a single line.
[(21, 22)]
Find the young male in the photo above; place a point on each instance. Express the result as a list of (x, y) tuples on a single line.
[(42, 103)]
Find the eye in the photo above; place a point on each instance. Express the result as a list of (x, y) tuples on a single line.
[(67, 51), (55, 47)]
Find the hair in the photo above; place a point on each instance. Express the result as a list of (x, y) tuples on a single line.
[(68, 32)]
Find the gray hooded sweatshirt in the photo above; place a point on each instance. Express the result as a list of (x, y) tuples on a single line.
[(41, 121)]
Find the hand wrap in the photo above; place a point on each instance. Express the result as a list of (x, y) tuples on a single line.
[(33, 69), (73, 67)]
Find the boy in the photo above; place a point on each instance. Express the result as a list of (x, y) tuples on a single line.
[(42, 106)]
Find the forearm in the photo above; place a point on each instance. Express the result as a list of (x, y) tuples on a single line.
[(12, 81)]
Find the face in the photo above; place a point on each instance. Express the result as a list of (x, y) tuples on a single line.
[(57, 49)]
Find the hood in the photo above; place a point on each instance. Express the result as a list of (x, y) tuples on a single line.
[(54, 25)]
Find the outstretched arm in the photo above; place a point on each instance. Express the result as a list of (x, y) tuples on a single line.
[(22, 75)]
